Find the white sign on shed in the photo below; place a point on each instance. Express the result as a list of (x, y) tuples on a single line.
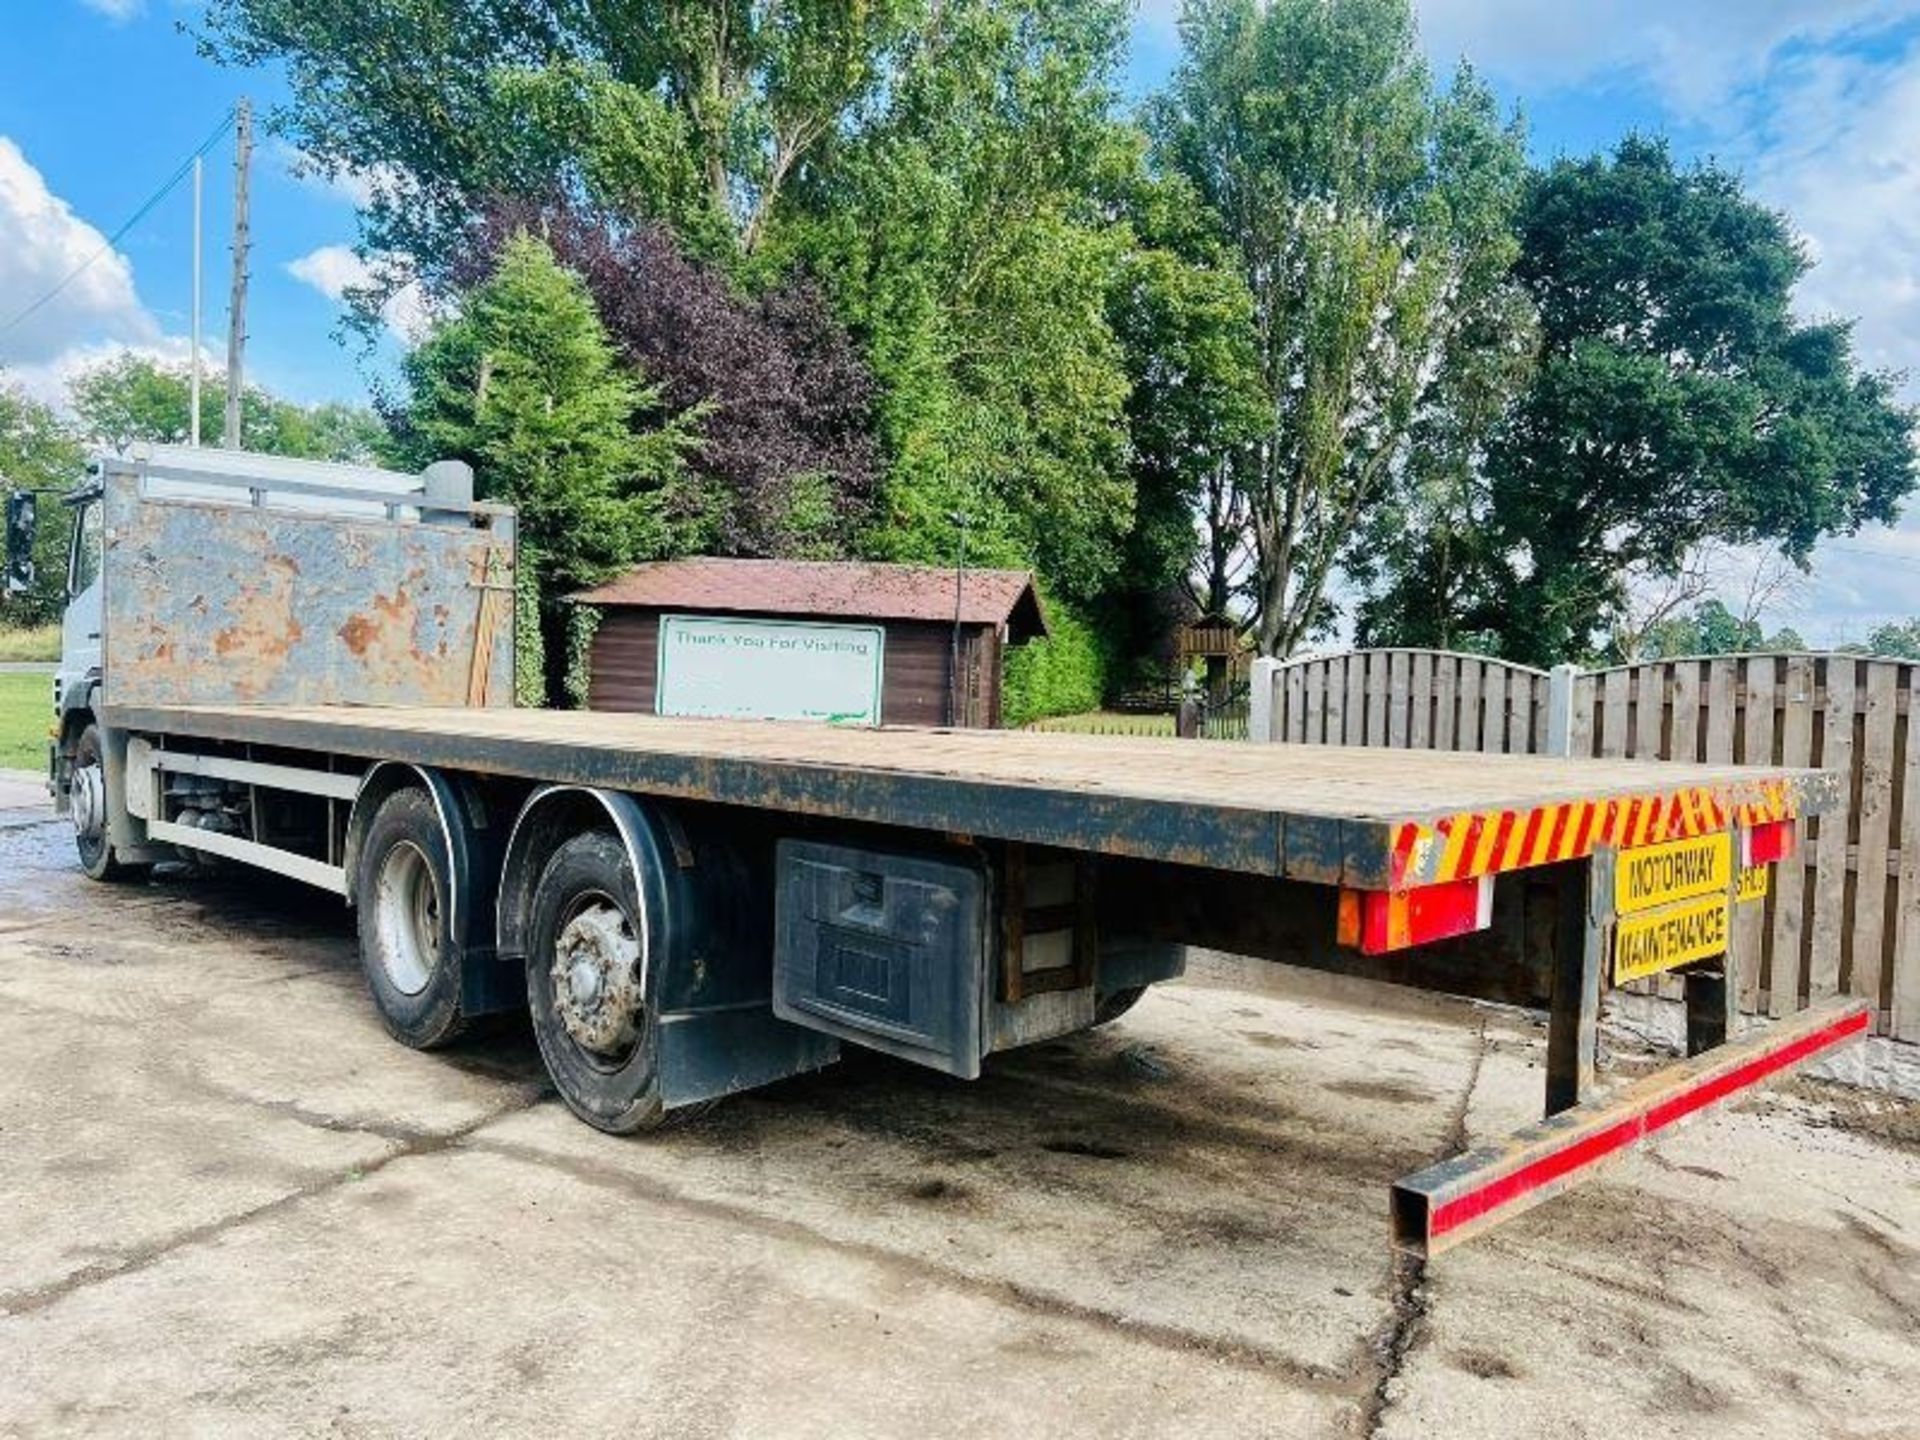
[(719, 667)]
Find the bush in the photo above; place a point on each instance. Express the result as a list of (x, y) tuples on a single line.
[(1064, 675)]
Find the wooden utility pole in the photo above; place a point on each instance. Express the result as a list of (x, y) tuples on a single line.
[(237, 307)]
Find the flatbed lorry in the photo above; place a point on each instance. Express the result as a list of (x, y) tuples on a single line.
[(308, 669)]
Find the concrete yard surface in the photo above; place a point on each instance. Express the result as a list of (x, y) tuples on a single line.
[(21, 793), (230, 1205)]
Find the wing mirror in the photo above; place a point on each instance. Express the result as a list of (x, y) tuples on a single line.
[(22, 523)]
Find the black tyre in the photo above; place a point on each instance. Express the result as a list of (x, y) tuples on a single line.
[(89, 801), (1112, 1006), (589, 986), (407, 948)]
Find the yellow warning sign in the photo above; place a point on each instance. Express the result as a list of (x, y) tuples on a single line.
[(1754, 882), (1663, 939), (1678, 870)]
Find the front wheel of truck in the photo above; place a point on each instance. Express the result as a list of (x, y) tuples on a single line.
[(88, 798), (407, 948), (588, 985)]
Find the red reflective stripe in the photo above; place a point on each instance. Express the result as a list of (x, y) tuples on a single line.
[(1498, 855), (1402, 852), (1559, 826), (1586, 829), (1527, 838), (1452, 1214)]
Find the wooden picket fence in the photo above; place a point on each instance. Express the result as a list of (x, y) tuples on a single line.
[(1844, 915)]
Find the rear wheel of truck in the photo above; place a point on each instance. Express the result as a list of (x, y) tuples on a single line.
[(403, 890), (587, 986), (88, 796)]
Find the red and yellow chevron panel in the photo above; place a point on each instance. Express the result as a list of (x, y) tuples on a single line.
[(1474, 843)]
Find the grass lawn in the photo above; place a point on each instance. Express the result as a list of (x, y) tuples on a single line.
[(26, 709), (1107, 722), (40, 643)]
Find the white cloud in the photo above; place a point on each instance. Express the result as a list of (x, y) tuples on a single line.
[(118, 11), (336, 271), (49, 380), (97, 315), (357, 187), (42, 243), (1847, 169), (1858, 583), (1835, 142), (333, 270), (1695, 53)]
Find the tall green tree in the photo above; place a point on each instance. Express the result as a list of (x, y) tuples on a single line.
[(945, 168), (966, 233), (135, 397), (38, 452), (1181, 311), (1678, 401), (1370, 217), (698, 113), (523, 384)]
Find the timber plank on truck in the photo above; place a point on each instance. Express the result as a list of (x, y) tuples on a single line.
[(1367, 818)]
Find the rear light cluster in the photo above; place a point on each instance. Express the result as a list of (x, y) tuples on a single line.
[(1377, 922), (1766, 844)]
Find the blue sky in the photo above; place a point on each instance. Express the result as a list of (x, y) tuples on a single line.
[(1816, 102)]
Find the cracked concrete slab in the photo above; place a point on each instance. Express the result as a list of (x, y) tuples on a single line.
[(480, 1290), (230, 1204)]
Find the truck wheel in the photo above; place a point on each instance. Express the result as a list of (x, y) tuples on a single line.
[(586, 986), (1110, 1008), (89, 796), (406, 942)]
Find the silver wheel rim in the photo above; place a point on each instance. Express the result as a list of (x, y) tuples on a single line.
[(89, 800), (596, 977), (406, 911)]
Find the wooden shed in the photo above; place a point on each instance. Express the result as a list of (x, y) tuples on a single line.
[(808, 639)]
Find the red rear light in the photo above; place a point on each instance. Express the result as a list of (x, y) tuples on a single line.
[(1766, 844), (1377, 922)]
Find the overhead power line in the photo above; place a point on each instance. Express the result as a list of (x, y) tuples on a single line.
[(146, 208)]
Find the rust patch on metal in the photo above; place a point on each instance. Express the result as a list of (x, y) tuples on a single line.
[(258, 605), (357, 634)]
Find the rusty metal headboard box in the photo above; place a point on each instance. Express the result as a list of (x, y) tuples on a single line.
[(245, 601)]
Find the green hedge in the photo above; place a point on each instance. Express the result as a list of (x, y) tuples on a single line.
[(1064, 675), (582, 622), (529, 646)]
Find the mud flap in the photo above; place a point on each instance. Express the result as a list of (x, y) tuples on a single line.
[(707, 1054)]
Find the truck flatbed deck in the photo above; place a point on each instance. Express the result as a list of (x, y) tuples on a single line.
[(1368, 818), (305, 670)]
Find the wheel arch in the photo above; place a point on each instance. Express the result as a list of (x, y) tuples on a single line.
[(461, 810), (550, 816)]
